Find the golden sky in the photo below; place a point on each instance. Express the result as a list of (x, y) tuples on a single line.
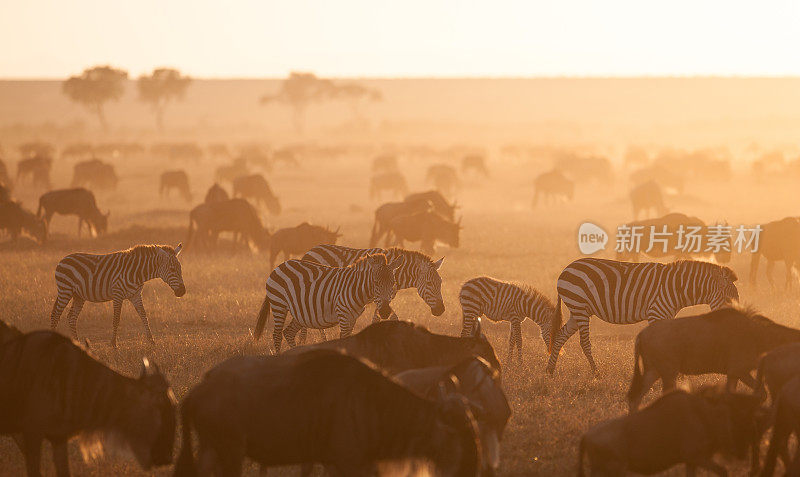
[(233, 38)]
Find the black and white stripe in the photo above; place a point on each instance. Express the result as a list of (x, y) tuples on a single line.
[(416, 270), (503, 301), (624, 292), (116, 277), (318, 296)]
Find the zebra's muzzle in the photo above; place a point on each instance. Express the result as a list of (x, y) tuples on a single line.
[(180, 291)]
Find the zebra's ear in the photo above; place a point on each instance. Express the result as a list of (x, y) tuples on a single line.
[(178, 249), (438, 263)]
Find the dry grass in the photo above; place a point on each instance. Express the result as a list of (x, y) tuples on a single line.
[(502, 237)]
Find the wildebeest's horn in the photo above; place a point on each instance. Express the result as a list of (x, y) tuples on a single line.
[(148, 368)]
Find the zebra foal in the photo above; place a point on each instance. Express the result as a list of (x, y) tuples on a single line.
[(503, 301), (624, 293), (320, 297), (116, 277)]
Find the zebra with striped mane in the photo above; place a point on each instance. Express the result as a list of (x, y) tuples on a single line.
[(498, 300), (320, 297), (116, 277), (625, 292), (416, 270)]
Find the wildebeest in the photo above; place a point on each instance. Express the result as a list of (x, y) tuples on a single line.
[(78, 202), (678, 428), (14, 218), (319, 406), (396, 346), (646, 197), (668, 245), (727, 341), (475, 163), (426, 228), (52, 389), (779, 241), (440, 205), (384, 163), (216, 194), (175, 179), (786, 422), (444, 178), (776, 368), (208, 220), (298, 240), (95, 174), (37, 168), (553, 185), (389, 211), (392, 182), (257, 188), (229, 172), (476, 380)]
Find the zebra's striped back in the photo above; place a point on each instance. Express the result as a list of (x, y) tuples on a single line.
[(499, 300), (416, 270)]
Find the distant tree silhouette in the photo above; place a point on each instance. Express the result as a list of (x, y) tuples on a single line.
[(95, 87), (355, 94), (300, 90), (161, 87)]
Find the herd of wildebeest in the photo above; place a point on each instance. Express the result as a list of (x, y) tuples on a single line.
[(393, 392)]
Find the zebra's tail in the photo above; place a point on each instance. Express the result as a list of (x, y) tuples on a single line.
[(637, 380), (263, 314), (761, 389), (555, 324), (581, 452), (185, 465)]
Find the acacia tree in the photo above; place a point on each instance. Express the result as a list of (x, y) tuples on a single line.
[(161, 87), (299, 91), (95, 87)]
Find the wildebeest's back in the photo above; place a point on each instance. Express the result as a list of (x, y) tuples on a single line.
[(69, 201)]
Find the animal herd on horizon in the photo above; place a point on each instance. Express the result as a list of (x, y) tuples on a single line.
[(393, 393)]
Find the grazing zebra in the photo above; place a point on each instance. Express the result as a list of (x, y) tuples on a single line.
[(625, 292), (320, 297), (502, 301), (416, 270), (116, 276)]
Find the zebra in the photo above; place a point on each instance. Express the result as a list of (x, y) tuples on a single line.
[(498, 300), (116, 277), (319, 296), (416, 270), (625, 292)]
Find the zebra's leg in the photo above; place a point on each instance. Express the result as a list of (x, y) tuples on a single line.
[(63, 298), (115, 322), (278, 320), (74, 311), (561, 337), (291, 331), (586, 344), (139, 306)]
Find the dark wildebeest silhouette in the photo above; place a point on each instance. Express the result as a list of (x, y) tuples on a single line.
[(474, 163), (426, 228), (208, 220), (176, 179), (667, 178), (786, 421), (392, 182), (37, 169), (672, 222), (319, 406), (384, 163), (646, 197), (257, 189), (389, 211), (216, 194), (727, 341), (298, 240), (679, 428), (553, 185), (779, 241), (229, 172), (14, 219), (72, 395), (776, 368), (94, 174), (78, 202), (444, 178), (440, 205)]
